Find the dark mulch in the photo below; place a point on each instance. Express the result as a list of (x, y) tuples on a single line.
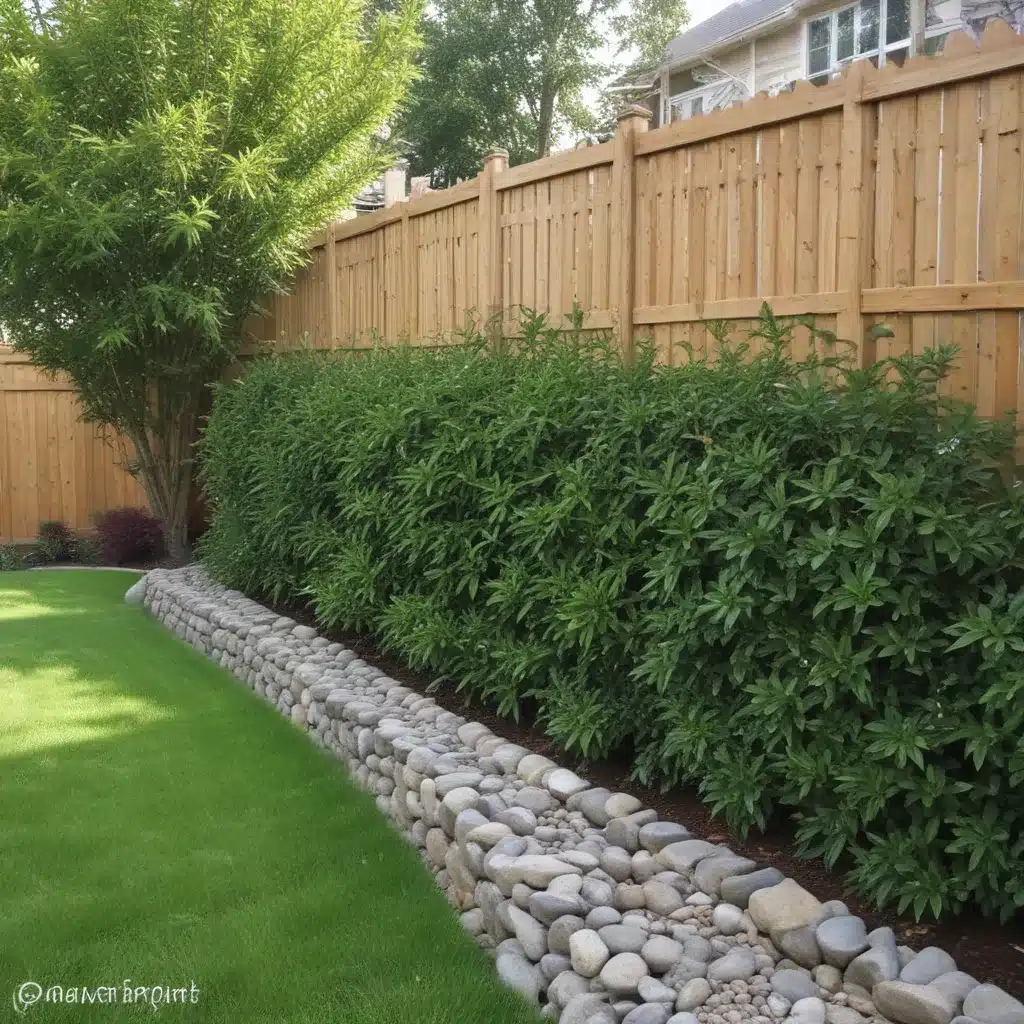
[(989, 951)]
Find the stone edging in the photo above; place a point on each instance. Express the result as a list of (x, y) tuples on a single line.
[(593, 907)]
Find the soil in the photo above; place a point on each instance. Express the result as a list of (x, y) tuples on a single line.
[(989, 951)]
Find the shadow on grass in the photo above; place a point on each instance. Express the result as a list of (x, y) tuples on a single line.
[(159, 823)]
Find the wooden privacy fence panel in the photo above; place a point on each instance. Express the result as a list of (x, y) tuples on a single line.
[(893, 195), (52, 465)]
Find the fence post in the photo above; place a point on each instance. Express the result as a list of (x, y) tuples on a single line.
[(333, 310), (407, 283), (488, 242), (853, 211), (633, 120)]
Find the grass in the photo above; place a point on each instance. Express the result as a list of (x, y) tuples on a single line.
[(159, 823)]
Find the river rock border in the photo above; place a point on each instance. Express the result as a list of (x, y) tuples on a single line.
[(593, 907)]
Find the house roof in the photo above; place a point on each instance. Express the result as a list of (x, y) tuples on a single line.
[(727, 25)]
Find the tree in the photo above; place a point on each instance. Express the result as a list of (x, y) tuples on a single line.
[(162, 163), (512, 73)]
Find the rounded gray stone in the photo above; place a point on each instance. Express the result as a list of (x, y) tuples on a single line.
[(709, 873), (587, 952), (656, 835), (623, 938), (794, 985), (661, 953), (601, 916), (649, 1013), (561, 932), (841, 939), (693, 994), (991, 1005), (567, 985), (927, 966), (622, 973), (737, 965)]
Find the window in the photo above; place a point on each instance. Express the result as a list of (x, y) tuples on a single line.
[(696, 106), (875, 30), (689, 104)]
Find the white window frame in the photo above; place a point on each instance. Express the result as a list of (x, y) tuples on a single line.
[(702, 93), (835, 63)]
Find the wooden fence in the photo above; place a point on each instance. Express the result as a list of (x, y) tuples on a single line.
[(892, 195), (52, 465)]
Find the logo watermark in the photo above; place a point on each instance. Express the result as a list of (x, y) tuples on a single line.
[(31, 993)]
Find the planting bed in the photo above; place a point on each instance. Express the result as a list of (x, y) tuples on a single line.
[(593, 906)]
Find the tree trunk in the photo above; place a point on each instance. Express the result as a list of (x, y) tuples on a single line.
[(545, 118), (165, 462)]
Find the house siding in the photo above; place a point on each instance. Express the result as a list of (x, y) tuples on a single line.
[(778, 57)]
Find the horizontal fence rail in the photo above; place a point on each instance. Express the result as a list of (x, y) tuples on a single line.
[(890, 195)]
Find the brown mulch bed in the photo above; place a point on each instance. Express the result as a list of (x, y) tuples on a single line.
[(989, 951)]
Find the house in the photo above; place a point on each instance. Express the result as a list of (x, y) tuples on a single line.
[(755, 46)]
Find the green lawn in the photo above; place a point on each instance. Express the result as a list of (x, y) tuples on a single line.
[(160, 823)]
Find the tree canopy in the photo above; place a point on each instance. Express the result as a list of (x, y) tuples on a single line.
[(513, 74), (162, 164)]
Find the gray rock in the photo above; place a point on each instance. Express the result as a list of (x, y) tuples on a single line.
[(927, 966), (597, 893), (794, 985), (617, 862), (622, 805), (783, 907), (661, 953), (136, 593), (519, 974), (651, 990), (693, 994), (907, 1003), (883, 936), (656, 835), (991, 1005), (521, 820), (709, 874), (444, 784), (800, 945), (623, 938), (779, 1006), (841, 939), (728, 919), (563, 783), (467, 820), (660, 898), (532, 935), (737, 965), (540, 869), (454, 802), (548, 907), (628, 897), (686, 970), (567, 985), (587, 952), (649, 1013), (835, 1014), (955, 984), (828, 977), (873, 966), (535, 799), (698, 948), (622, 973), (601, 916), (553, 964), (624, 833), (807, 1011), (592, 802), (685, 855), (592, 1008), (562, 931), (739, 888), (683, 1018)]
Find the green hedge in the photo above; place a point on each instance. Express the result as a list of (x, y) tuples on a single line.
[(793, 585)]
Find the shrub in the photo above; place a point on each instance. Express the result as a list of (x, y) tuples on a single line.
[(86, 551), (129, 536), (794, 584), (55, 542), (10, 558)]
